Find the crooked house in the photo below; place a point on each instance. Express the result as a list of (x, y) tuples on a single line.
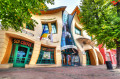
[(66, 44)]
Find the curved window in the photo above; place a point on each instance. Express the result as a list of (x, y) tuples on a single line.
[(30, 25), (54, 28), (51, 27), (46, 56), (77, 31), (46, 26)]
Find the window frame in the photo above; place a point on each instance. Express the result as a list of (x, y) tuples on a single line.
[(46, 61), (28, 27), (49, 23), (55, 28), (78, 30), (45, 27)]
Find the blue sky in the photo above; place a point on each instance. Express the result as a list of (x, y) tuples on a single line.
[(71, 4)]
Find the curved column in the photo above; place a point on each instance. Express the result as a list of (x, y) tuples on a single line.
[(5, 43), (93, 57), (100, 57), (35, 53)]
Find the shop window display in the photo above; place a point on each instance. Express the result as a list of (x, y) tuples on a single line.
[(21, 53), (46, 56)]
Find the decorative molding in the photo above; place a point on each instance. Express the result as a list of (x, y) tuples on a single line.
[(68, 46), (49, 19), (26, 32)]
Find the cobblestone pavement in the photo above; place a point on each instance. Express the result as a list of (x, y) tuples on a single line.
[(88, 72)]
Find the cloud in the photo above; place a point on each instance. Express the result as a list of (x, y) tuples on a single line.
[(71, 4)]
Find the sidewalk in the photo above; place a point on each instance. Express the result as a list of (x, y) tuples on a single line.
[(88, 72)]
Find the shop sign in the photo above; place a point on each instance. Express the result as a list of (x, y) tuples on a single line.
[(18, 41), (47, 49), (46, 55)]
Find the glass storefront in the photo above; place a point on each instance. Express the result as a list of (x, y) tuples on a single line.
[(70, 58), (46, 56), (21, 53)]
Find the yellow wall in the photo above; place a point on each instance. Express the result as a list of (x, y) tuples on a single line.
[(7, 53), (3, 44), (27, 36)]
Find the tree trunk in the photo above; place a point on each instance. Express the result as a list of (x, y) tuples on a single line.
[(118, 54)]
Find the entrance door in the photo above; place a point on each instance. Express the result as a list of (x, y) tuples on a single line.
[(66, 59), (75, 60), (87, 58), (70, 60), (21, 55)]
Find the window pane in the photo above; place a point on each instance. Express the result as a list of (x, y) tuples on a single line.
[(29, 56), (54, 28), (46, 26), (77, 31), (46, 56), (29, 26)]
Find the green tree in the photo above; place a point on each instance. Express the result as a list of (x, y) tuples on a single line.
[(13, 13), (101, 18)]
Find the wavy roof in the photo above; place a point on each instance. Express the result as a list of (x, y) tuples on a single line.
[(53, 10)]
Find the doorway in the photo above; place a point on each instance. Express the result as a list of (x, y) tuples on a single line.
[(88, 62), (70, 58), (21, 53), (20, 56), (66, 59)]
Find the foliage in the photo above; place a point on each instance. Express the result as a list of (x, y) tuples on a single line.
[(13, 13), (101, 19)]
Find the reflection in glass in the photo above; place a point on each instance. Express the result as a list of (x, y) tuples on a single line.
[(21, 54)]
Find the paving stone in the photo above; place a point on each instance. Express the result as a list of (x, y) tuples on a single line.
[(87, 72)]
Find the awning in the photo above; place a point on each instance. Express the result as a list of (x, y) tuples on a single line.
[(84, 40)]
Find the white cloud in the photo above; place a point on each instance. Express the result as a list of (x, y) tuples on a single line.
[(71, 4)]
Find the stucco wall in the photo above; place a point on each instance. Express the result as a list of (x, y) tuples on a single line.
[(34, 37), (83, 47)]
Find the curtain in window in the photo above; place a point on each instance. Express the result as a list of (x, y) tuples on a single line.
[(46, 26), (54, 28)]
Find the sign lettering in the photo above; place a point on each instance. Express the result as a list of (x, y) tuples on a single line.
[(18, 41)]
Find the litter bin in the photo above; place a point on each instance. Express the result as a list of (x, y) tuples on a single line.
[(109, 65)]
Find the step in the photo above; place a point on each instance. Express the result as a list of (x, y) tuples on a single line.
[(42, 65), (2, 66)]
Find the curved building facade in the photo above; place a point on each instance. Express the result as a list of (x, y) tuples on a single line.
[(57, 40)]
